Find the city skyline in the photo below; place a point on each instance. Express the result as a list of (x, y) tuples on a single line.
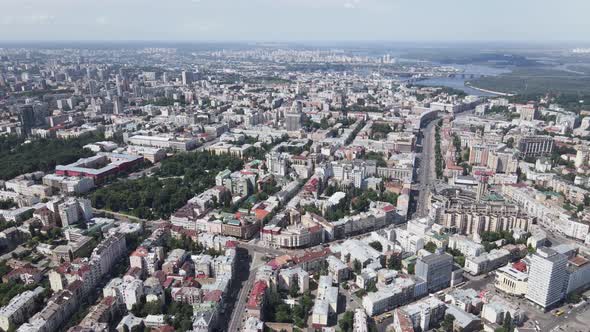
[(302, 165)]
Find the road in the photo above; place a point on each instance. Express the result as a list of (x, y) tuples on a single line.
[(240, 307), (240, 304), (571, 321), (119, 216), (426, 174), (262, 250), (546, 320)]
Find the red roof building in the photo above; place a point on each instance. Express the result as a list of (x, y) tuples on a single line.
[(256, 298), (519, 266)]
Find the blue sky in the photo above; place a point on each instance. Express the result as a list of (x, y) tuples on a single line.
[(295, 20)]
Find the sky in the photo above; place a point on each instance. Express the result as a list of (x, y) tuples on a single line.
[(295, 20)]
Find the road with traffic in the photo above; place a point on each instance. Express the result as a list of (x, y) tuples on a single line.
[(426, 173)]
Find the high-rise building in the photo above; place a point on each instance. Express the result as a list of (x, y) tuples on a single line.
[(582, 156), (547, 277), (294, 116), (277, 163), (187, 78), (535, 146), (527, 112), (137, 89), (293, 121), (117, 105), (436, 270), (27, 118), (92, 88), (478, 154), (120, 84)]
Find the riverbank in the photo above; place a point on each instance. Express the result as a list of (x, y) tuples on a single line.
[(504, 94)]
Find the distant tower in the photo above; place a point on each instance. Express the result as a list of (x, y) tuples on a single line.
[(119, 82), (100, 73), (27, 118), (136, 89), (293, 117), (187, 78), (92, 88), (482, 188), (117, 105)]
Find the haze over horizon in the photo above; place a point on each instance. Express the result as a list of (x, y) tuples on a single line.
[(294, 20)]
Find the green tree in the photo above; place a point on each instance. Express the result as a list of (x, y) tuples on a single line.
[(531, 249), (376, 245), (324, 268), (573, 298), (460, 260), (41, 154), (508, 322), (294, 289), (356, 266), (430, 246), (447, 324), (178, 179), (283, 315), (346, 322), (372, 286), (510, 142), (394, 264), (347, 258)]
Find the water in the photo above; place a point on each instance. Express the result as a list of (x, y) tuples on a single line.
[(455, 83), (458, 82)]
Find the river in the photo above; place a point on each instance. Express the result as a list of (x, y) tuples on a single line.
[(458, 82)]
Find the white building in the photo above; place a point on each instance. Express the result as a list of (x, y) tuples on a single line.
[(360, 251), (388, 297), (547, 277), (511, 281), (487, 261), (74, 210), (360, 321), (465, 245), (326, 303), (131, 292), (19, 309), (425, 313), (409, 242), (289, 277), (337, 269)]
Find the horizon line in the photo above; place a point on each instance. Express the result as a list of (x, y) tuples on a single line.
[(294, 41)]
